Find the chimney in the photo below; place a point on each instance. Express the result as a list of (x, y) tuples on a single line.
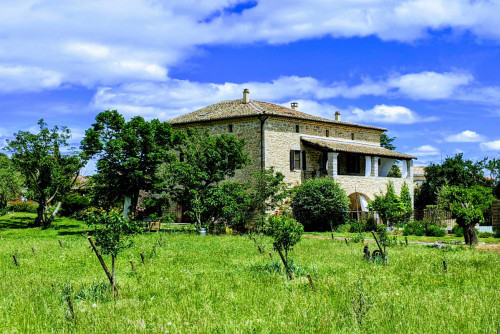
[(295, 105), (246, 96), (337, 116)]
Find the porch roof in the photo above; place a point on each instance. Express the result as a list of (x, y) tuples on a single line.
[(354, 148)]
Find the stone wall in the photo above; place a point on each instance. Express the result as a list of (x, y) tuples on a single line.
[(495, 215), (370, 186)]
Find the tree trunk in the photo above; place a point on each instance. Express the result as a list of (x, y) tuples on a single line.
[(113, 271), (39, 221), (470, 235)]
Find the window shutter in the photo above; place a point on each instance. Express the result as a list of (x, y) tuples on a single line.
[(304, 160), (292, 159)]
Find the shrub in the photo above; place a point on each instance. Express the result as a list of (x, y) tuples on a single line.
[(417, 227), (74, 203), (320, 205), (344, 228), (22, 206), (496, 234), (371, 224), (485, 235), (457, 231), (435, 231)]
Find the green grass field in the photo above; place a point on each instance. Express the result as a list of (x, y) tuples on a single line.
[(214, 284)]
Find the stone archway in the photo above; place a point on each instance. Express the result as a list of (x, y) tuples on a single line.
[(358, 202)]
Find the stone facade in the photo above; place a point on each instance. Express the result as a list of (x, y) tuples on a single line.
[(284, 147)]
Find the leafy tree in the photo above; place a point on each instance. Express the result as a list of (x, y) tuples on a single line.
[(386, 142), (240, 204), (320, 205), (394, 172), (49, 174), (454, 171), (493, 166), (393, 210), (10, 181), (129, 155), (112, 234), (286, 233), (468, 206), (207, 161)]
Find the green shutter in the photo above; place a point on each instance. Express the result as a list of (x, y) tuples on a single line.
[(292, 160)]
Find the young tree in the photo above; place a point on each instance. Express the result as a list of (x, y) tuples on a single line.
[(49, 174), (468, 206), (320, 205), (493, 166), (393, 210), (10, 181), (112, 234), (129, 155), (286, 233), (207, 161)]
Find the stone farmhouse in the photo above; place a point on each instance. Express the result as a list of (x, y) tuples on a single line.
[(303, 146)]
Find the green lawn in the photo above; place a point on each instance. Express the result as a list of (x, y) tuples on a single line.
[(218, 284)]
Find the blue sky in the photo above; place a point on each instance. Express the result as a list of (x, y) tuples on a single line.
[(427, 70)]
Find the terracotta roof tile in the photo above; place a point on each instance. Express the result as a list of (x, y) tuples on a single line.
[(237, 109), (355, 148)]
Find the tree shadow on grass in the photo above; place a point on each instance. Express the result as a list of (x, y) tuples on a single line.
[(16, 223)]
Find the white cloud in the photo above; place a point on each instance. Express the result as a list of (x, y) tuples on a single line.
[(425, 151), (115, 41), (387, 114), (23, 78), (491, 146), (429, 85), (466, 136)]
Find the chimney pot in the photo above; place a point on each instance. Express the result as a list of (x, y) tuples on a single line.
[(294, 105), (246, 96), (337, 116)]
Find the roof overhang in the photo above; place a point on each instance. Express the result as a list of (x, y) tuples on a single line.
[(338, 146)]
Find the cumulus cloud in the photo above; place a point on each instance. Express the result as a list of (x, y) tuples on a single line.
[(46, 44), (466, 136), (491, 146), (425, 151), (429, 85), (387, 114)]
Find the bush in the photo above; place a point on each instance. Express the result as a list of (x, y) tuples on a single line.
[(371, 224), (485, 235), (435, 231), (22, 206), (496, 234), (344, 228), (320, 205), (457, 231), (74, 203), (416, 227)]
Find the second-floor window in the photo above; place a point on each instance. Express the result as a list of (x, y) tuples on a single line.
[(353, 165)]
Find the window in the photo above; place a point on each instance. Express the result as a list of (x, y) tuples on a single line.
[(181, 157), (352, 136), (297, 129), (327, 133), (230, 128), (353, 165), (297, 160)]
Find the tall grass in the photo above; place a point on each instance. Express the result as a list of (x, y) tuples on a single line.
[(196, 284)]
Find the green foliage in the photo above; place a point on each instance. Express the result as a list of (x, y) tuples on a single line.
[(286, 233), (417, 227), (457, 230), (435, 231), (485, 235), (129, 156), (493, 166), (394, 172), (208, 160), (10, 181), (49, 174), (386, 141), (23, 206), (320, 205), (393, 210), (467, 206), (454, 171), (73, 203)]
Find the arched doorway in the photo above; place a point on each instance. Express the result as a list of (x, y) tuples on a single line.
[(358, 202)]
